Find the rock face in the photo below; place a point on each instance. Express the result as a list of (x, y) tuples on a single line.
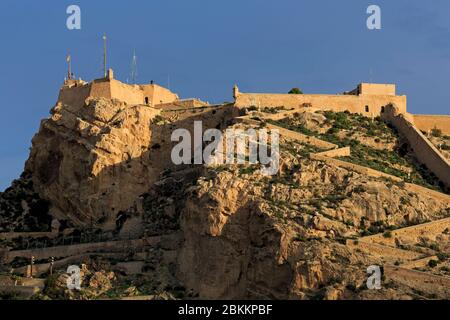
[(227, 231), (245, 251), (90, 161), (249, 236), (21, 208)]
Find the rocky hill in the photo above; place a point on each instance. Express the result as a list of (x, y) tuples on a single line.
[(229, 231)]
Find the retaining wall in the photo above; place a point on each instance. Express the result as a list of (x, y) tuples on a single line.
[(355, 167), (427, 283), (389, 253), (423, 149), (77, 249), (430, 229), (16, 235)]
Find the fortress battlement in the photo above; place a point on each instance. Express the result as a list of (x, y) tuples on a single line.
[(369, 99), (75, 92)]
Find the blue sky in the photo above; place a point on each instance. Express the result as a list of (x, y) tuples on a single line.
[(203, 47)]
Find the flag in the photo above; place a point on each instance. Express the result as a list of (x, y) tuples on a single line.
[(68, 58)]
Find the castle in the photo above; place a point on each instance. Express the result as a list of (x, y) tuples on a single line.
[(369, 99), (75, 92)]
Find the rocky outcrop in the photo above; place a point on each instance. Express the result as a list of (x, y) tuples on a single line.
[(229, 231), (90, 161), (21, 208), (249, 236)]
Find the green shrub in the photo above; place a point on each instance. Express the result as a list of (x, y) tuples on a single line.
[(435, 132), (387, 234), (432, 263), (442, 256), (295, 91)]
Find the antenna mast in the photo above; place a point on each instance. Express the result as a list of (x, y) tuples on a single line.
[(104, 56), (134, 68)]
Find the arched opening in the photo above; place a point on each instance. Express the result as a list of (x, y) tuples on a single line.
[(382, 109), (367, 108), (146, 100)]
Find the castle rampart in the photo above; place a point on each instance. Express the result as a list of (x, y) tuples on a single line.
[(428, 122), (367, 99), (423, 149), (75, 93)]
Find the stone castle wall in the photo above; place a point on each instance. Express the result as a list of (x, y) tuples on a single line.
[(74, 96), (376, 89), (423, 149), (428, 122), (182, 104), (366, 104), (148, 94), (131, 94), (157, 94)]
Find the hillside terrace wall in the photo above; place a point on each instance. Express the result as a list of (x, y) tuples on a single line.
[(415, 279), (390, 254), (428, 192), (337, 103), (290, 134), (16, 235), (39, 269), (420, 263), (428, 122), (412, 233), (341, 152), (354, 167), (77, 249), (423, 149)]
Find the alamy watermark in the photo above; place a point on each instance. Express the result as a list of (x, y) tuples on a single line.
[(235, 146), (74, 280), (73, 21), (374, 280), (374, 20)]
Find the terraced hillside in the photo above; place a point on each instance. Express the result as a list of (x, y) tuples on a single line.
[(374, 144)]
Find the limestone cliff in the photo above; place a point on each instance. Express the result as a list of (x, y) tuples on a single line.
[(89, 162), (227, 231), (284, 237)]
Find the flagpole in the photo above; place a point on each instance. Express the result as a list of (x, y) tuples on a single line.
[(69, 72), (104, 55)]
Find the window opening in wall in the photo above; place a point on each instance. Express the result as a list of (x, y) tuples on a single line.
[(146, 100), (367, 108)]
